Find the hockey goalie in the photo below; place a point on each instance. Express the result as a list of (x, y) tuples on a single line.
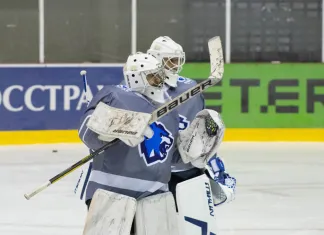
[(128, 185), (197, 198)]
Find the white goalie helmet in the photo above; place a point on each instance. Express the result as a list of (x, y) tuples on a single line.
[(171, 56), (145, 74)]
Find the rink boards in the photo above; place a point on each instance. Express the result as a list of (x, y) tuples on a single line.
[(258, 102)]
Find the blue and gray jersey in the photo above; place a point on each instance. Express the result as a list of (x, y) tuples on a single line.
[(187, 113), (133, 171)]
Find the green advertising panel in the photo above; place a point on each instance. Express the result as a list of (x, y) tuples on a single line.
[(266, 95)]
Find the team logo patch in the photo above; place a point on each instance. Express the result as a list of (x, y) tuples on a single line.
[(156, 149), (185, 80), (123, 87), (183, 123)]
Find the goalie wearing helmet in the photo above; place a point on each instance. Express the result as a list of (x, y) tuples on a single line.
[(172, 57), (135, 167), (123, 162), (129, 179)]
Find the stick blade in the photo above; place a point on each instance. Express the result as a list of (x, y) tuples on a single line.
[(216, 58)]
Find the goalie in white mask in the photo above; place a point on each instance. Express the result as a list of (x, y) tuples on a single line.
[(113, 208), (173, 57), (128, 179), (132, 168)]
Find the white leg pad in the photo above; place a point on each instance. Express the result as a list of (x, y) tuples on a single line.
[(156, 215), (196, 207), (110, 214)]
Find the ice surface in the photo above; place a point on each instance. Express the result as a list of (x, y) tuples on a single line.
[(280, 190)]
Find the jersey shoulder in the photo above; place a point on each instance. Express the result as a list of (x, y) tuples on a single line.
[(114, 91), (185, 83), (118, 96)]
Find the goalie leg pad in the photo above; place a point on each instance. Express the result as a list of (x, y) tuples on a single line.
[(196, 206), (156, 215), (110, 213)]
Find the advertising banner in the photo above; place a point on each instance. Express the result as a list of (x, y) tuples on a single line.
[(44, 103), (48, 98), (266, 95)]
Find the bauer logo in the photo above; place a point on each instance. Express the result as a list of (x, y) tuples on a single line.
[(156, 149), (187, 95)]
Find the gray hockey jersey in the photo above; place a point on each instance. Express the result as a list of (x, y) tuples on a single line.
[(133, 171), (187, 113)]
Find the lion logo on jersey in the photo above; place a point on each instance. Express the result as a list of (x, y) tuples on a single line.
[(156, 149)]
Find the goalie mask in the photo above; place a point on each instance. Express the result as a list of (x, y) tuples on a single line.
[(171, 56), (145, 74), (200, 141)]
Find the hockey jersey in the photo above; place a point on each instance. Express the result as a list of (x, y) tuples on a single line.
[(187, 112), (133, 171)]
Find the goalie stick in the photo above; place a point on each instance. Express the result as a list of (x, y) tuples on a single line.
[(216, 75)]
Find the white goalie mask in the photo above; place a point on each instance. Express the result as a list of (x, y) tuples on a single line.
[(171, 56), (145, 74)]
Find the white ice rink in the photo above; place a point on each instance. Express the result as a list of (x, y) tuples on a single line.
[(280, 190)]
